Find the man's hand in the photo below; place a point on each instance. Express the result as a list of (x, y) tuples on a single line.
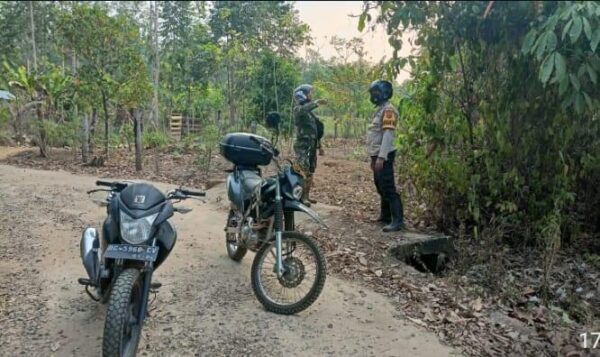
[(321, 101), (378, 164)]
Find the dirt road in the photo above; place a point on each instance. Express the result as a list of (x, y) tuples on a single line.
[(205, 307)]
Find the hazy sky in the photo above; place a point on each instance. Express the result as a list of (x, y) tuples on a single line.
[(328, 18)]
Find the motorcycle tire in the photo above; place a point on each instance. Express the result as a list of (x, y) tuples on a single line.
[(121, 331), (313, 293)]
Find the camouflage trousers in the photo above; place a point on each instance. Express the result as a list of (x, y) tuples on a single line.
[(305, 161)]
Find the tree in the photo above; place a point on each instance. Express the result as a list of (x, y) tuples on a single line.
[(506, 152), (104, 44), (344, 86), (246, 29), (275, 79)]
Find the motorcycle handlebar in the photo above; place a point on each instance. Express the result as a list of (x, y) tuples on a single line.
[(190, 192), (115, 185)]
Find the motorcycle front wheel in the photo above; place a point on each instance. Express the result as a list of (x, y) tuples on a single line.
[(303, 279), (122, 328)]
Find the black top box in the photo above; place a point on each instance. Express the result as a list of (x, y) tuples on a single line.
[(244, 149)]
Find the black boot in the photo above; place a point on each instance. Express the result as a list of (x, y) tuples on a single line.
[(397, 216), (385, 216)]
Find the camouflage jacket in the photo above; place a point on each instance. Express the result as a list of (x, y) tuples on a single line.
[(306, 124)]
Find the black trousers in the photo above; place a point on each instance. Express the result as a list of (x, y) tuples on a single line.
[(384, 179)]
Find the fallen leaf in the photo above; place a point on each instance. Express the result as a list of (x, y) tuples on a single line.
[(55, 346), (477, 305), (362, 261), (417, 321), (379, 273)]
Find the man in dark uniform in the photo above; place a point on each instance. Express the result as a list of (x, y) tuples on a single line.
[(307, 137), (381, 148)]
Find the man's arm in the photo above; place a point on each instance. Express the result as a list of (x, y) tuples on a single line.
[(388, 124), (306, 108), (387, 144)]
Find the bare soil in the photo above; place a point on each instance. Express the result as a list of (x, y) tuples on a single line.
[(488, 303), (205, 307)]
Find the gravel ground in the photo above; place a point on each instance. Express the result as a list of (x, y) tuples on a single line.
[(205, 307)]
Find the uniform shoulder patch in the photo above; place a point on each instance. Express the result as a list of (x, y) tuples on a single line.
[(390, 118)]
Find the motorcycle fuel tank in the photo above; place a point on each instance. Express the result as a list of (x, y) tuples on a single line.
[(242, 185)]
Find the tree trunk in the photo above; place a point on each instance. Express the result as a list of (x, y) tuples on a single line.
[(218, 121), (154, 114), (85, 140), (33, 37), (275, 87), (42, 139), (137, 124), (335, 127), (243, 101), (92, 130), (105, 106), (230, 100), (185, 129)]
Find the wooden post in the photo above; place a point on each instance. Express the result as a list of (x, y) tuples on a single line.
[(85, 130)]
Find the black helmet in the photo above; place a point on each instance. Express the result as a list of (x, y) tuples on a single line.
[(301, 94), (273, 119), (380, 91)]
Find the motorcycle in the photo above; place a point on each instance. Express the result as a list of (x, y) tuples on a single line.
[(136, 239), (289, 270)]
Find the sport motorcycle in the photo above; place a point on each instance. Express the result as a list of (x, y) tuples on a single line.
[(136, 239)]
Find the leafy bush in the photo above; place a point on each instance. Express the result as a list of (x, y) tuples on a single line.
[(500, 123), (63, 134), (155, 139)]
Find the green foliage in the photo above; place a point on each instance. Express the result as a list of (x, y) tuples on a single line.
[(275, 80), (499, 121), (209, 138), (155, 139), (65, 134), (572, 29), (4, 118)]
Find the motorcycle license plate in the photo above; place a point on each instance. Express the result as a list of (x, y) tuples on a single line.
[(132, 252)]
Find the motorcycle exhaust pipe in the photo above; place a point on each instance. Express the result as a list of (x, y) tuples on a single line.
[(89, 253)]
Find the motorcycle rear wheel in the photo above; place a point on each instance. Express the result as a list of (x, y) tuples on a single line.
[(266, 284), (122, 329)]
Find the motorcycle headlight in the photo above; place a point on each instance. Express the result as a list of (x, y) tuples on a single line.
[(297, 192), (136, 231)]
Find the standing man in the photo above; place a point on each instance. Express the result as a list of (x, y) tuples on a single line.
[(381, 147), (307, 137)]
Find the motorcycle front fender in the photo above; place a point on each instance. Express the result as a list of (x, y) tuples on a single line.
[(89, 246), (298, 206)]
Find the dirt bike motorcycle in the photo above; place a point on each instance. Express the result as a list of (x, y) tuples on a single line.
[(136, 239), (289, 270)]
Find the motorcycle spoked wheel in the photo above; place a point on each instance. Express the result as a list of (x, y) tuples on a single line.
[(122, 328), (300, 285), (235, 251)]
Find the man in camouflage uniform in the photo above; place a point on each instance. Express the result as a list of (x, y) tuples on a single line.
[(307, 137), (380, 146)]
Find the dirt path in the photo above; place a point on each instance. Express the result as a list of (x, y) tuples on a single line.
[(205, 307)]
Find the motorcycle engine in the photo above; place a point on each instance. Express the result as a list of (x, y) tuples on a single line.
[(250, 235)]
